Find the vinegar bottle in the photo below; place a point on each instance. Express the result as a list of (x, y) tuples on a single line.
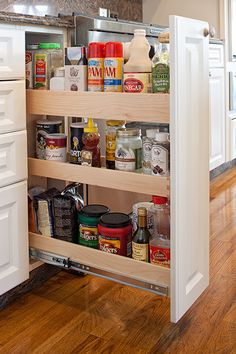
[(140, 242)]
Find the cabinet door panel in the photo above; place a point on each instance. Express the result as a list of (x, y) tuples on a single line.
[(12, 54), (217, 118), (12, 106), (189, 163), (13, 157), (14, 259)]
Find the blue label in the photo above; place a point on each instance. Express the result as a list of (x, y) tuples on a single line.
[(112, 82)]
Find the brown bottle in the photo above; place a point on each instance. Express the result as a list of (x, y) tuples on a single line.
[(140, 243)]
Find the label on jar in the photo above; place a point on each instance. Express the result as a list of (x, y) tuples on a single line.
[(96, 74), (140, 251), (113, 71), (160, 256), (138, 82), (160, 160), (40, 71), (128, 159), (110, 147), (147, 156), (88, 236), (161, 78), (29, 69), (109, 244)]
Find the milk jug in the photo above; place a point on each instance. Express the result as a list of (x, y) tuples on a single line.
[(137, 70)]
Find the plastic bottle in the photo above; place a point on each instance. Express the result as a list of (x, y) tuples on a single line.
[(138, 69), (147, 150), (161, 155), (57, 83), (113, 67), (96, 52), (90, 155), (160, 241)]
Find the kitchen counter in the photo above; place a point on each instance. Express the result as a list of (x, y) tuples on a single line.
[(11, 17)]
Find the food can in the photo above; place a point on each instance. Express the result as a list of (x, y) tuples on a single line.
[(88, 224), (76, 144), (150, 215), (56, 147), (115, 234), (43, 128)]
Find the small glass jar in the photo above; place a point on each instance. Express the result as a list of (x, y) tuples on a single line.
[(111, 128), (128, 155)]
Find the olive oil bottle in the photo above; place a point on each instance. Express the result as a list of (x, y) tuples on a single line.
[(140, 242)]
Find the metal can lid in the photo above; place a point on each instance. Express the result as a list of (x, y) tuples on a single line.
[(125, 132), (115, 220), (56, 136), (78, 125)]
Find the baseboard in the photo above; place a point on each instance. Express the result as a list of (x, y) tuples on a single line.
[(222, 168)]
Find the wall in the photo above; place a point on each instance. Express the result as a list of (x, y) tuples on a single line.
[(157, 11), (126, 9)]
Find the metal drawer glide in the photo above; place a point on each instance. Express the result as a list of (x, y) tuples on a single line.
[(65, 262)]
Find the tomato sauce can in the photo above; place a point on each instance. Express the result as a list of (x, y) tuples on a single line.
[(115, 234), (56, 147)]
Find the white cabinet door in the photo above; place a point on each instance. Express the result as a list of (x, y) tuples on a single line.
[(216, 55), (189, 182), (14, 258), (12, 53), (12, 106), (13, 157), (217, 117)]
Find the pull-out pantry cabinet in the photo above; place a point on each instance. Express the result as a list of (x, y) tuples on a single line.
[(186, 110)]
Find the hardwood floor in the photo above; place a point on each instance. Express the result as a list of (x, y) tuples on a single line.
[(71, 314)]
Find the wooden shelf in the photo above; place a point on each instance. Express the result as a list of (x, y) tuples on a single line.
[(100, 105), (102, 177), (98, 260)]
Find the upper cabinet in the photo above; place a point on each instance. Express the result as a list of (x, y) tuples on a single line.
[(12, 53)]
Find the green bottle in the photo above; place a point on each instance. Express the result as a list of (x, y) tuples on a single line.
[(161, 69)]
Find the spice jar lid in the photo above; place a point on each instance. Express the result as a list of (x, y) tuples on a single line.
[(162, 136), (49, 46), (115, 123), (128, 132), (48, 122), (159, 200), (94, 210), (115, 220), (78, 125)]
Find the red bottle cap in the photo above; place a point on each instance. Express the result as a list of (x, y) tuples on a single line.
[(114, 50), (159, 200), (96, 50)]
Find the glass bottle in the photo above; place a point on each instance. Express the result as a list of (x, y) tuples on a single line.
[(161, 68), (140, 242), (90, 155), (160, 240), (83, 60), (111, 128)]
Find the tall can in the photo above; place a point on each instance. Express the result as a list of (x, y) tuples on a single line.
[(96, 52), (113, 67), (76, 143), (43, 128)]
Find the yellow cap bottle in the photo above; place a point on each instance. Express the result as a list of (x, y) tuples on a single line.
[(90, 127)]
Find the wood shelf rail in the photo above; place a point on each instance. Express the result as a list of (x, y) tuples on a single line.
[(100, 105), (102, 177), (121, 266)]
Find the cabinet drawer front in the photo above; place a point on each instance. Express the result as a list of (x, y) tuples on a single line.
[(12, 106), (13, 157), (12, 54), (14, 262), (216, 56)]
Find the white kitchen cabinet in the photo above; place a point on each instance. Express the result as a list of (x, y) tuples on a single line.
[(12, 53), (217, 117), (233, 139), (12, 106), (13, 157), (186, 109), (14, 263)]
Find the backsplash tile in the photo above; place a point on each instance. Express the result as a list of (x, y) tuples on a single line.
[(127, 9)]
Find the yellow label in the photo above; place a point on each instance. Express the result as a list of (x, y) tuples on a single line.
[(110, 147), (140, 251), (113, 74), (95, 74)]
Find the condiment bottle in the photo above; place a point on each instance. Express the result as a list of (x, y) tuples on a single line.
[(140, 242), (90, 155), (113, 67), (161, 66), (138, 69), (111, 128), (96, 52), (161, 155), (160, 240), (147, 150)]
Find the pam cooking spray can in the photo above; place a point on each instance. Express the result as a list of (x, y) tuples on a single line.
[(113, 67)]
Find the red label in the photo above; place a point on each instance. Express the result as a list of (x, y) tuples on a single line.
[(56, 142), (133, 85), (159, 255)]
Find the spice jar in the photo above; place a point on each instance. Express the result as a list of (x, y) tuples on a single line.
[(46, 59), (128, 155), (160, 155), (88, 224), (111, 129)]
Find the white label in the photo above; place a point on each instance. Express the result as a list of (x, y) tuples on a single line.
[(76, 78), (159, 160), (125, 159), (56, 154), (147, 156)]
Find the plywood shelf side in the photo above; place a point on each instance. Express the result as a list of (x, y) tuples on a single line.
[(126, 181), (119, 265), (100, 105)]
